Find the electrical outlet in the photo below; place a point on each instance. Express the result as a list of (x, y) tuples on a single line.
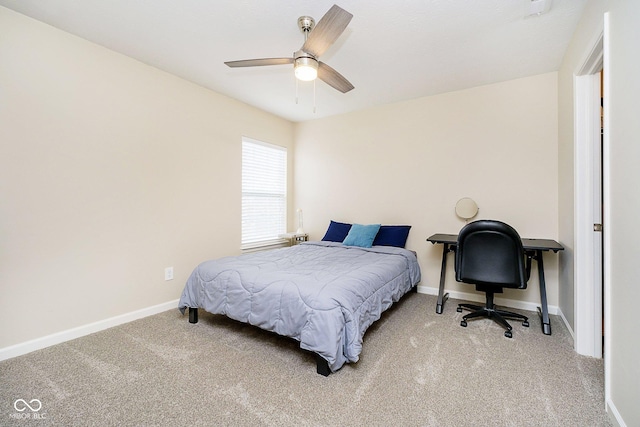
[(168, 273)]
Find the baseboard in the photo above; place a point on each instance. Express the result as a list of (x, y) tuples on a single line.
[(80, 331), (614, 415), (505, 302), (566, 323)]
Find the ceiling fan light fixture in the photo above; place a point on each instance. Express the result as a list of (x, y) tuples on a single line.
[(306, 69)]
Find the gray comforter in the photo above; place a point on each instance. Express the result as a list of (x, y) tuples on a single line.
[(323, 294)]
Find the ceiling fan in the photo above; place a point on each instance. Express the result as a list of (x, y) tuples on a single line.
[(317, 39)]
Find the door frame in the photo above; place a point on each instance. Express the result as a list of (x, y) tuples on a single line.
[(588, 289)]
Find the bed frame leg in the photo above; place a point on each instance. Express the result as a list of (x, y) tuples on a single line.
[(193, 315), (322, 366)]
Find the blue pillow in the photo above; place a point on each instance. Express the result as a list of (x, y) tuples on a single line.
[(361, 235), (336, 232), (392, 235)]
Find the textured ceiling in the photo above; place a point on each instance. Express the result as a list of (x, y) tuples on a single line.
[(391, 50)]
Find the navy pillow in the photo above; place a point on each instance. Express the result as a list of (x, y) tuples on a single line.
[(336, 232), (392, 235)]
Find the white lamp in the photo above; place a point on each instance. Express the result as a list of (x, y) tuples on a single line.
[(306, 69)]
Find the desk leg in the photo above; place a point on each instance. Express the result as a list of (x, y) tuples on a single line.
[(442, 297), (544, 312)]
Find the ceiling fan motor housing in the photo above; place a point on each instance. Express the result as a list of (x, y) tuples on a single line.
[(306, 24)]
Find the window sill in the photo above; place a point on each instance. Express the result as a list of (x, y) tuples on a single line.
[(264, 246)]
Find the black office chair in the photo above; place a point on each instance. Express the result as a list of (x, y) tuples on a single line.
[(489, 254)]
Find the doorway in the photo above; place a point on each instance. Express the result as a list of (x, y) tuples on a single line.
[(589, 189)]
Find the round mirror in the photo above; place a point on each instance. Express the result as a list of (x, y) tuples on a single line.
[(466, 208)]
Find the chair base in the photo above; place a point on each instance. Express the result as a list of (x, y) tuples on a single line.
[(489, 310)]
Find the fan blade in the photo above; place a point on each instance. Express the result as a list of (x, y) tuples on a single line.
[(259, 62), (327, 31), (333, 78)]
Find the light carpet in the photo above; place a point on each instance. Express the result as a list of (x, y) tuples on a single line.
[(417, 368)]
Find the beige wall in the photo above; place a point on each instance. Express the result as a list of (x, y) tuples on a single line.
[(624, 232), (110, 171), (408, 163), (623, 372)]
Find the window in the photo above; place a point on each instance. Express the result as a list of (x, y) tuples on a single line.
[(264, 193)]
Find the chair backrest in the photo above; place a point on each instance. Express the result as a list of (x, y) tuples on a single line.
[(490, 253)]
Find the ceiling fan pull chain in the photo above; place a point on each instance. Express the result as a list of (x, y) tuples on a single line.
[(296, 90), (314, 97)]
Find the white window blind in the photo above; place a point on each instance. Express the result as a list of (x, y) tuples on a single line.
[(264, 193)]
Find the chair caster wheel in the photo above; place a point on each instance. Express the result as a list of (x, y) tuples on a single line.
[(508, 334), (463, 324), (459, 309), (525, 323)]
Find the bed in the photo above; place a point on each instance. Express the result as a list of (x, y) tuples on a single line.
[(323, 294)]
